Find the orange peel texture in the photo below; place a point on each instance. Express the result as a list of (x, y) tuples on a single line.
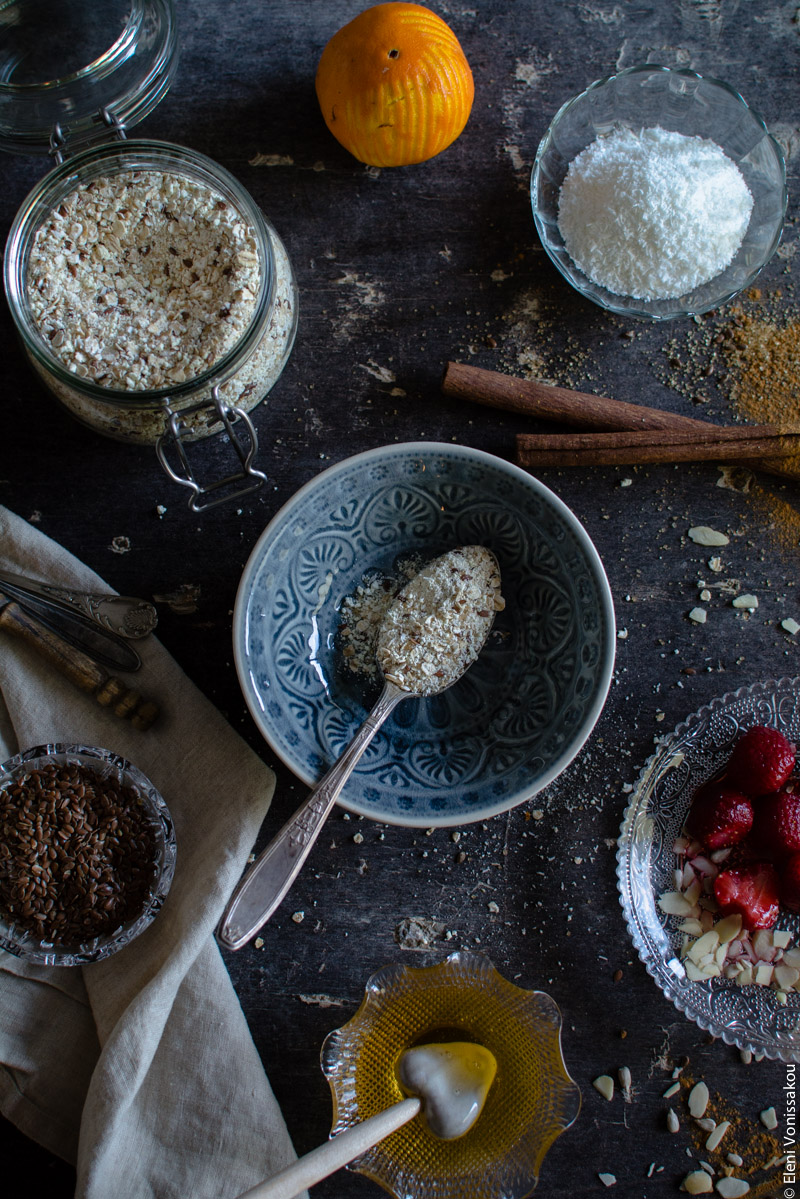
[(394, 85)]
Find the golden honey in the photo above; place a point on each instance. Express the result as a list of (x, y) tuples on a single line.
[(530, 1102)]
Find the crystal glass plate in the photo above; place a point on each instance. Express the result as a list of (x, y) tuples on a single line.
[(750, 1017)]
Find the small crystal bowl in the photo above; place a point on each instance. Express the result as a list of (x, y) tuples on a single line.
[(24, 942), (530, 1103), (682, 102)]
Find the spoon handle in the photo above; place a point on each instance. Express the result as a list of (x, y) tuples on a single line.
[(337, 1152), (263, 887)]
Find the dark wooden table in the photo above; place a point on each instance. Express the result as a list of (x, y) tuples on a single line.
[(400, 271)]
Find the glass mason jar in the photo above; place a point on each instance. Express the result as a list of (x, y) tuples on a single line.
[(150, 293)]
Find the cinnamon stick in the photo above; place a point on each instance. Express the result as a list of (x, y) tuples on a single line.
[(737, 443), (582, 409)]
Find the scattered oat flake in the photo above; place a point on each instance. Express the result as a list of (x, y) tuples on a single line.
[(746, 601), (768, 1118), (791, 626), (703, 535), (698, 615), (271, 160), (604, 1083)]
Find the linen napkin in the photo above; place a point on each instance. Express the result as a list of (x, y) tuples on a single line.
[(141, 1069)]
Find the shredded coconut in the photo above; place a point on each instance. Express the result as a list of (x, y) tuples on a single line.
[(653, 214)]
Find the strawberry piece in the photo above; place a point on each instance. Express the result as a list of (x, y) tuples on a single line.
[(762, 760), (719, 816), (750, 892), (790, 883), (776, 824)]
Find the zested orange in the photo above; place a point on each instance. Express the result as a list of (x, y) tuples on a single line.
[(394, 85)]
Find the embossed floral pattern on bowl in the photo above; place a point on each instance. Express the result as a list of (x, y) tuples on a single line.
[(521, 712)]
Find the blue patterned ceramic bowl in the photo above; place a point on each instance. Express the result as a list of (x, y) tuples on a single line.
[(520, 713)]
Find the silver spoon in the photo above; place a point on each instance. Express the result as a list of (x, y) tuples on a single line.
[(120, 614), (432, 632)]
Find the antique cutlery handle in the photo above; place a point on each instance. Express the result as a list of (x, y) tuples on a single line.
[(263, 887), (107, 690)]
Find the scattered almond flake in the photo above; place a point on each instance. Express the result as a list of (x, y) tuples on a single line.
[(698, 1099), (746, 1056), (732, 1188), (604, 1083), (317, 999), (734, 1160), (717, 1134), (624, 1076), (673, 1090), (608, 1180), (298, 917), (746, 601), (791, 626), (703, 535), (673, 1123), (697, 1183), (698, 615), (715, 564), (768, 1118), (706, 1123)]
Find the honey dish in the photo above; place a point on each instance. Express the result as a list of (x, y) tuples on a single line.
[(87, 854), (658, 193), (744, 1009), (531, 1101), (521, 712)]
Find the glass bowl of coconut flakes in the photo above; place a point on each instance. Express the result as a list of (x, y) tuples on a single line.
[(658, 193)]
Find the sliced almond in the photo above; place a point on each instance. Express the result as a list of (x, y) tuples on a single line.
[(673, 903), (717, 1134), (728, 929), (697, 1183), (704, 945), (698, 1100), (785, 976)]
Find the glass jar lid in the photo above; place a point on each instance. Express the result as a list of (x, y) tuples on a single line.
[(68, 72)]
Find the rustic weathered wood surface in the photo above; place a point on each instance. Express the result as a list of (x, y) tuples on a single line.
[(400, 271)]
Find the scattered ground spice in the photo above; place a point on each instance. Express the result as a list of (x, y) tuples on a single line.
[(757, 1148)]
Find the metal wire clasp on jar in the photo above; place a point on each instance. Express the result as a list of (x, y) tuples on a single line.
[(155, 300)]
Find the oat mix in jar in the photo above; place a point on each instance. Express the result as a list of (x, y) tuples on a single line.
[(150, 293)]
